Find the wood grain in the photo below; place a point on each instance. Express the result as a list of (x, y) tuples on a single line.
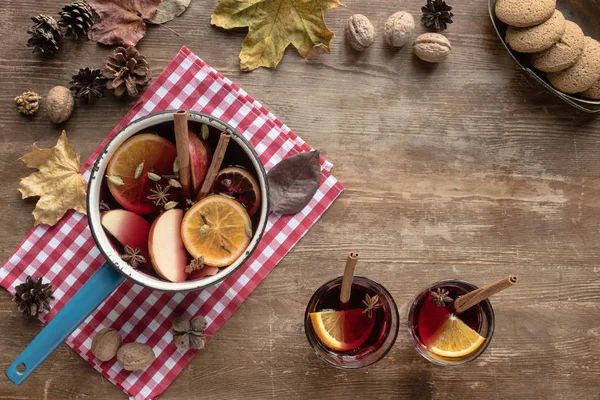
[(465, 169)]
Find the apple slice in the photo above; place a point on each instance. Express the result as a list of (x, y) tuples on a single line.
[(167, 253), (201, 273), (200, 158), (128, 228)]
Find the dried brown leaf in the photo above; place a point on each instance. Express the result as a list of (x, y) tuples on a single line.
[(293, 182), (122, 22), (58, 182), (168, 10)]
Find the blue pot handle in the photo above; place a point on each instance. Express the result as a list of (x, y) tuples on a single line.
[(83, 303)]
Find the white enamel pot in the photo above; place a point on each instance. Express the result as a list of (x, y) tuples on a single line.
[(115, 271)]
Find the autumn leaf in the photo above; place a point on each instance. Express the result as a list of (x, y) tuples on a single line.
[(293, 182), (168, 10), (58, 182), (275, 24), (121, 21)]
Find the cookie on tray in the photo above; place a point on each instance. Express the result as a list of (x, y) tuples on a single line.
[(564, 53), (582, 75), (592, 93), (537, 38), (524, 13)]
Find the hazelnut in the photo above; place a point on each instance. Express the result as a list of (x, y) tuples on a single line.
[(398, 28), (60, 104), (432, 47), (359, 32), (105, 344), (134, 356)]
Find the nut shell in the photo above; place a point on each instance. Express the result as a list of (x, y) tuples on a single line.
[(59, 104), (135, 356), (360, 32), (399, 28), (105, 344), (432, 47)]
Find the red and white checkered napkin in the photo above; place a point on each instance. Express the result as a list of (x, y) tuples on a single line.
[(66, 256)]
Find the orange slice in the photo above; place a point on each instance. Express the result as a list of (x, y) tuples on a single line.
[(239, 184), (342, 330), (456, 339), (217, 229), (152, 150)]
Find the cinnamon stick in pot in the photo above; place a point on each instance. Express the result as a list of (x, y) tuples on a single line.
[(348, 278), (215, 165), (182, 143)]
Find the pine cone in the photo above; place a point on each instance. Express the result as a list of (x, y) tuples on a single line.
[(28, 103), (77, 18), (45, 35), (87, 84), (126, 70), (33, 297), (436, 15)]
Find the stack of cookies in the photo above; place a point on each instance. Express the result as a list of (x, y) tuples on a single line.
[(555, 45)]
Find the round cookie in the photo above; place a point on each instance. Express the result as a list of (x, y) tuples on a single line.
[(592, 93), (539, 37), (581, 75), (564, 53), (524, 13)]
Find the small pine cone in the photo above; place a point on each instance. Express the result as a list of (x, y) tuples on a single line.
[(436, 15), (28, 103), (33, 297), (126, 70), (87, 84), (45, 35), (76, 18)]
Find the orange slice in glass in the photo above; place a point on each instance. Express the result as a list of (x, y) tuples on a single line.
[(154, 152), (342, 330), (216, 228), (455, 339)]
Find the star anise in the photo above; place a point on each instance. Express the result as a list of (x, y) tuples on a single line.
[(371, 304), (160, 196), (196, 264), (441, 297), (133, 256), (103, 206)]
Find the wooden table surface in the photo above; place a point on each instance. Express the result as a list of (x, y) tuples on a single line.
[(467, 169)]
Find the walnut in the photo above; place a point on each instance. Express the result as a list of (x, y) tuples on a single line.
[(28, 103), (359, 32), (398, 28), (60, 104), (135, 356), (432, 47), (105, 344)]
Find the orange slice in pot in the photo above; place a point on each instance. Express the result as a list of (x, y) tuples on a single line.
[(239, 184), (216, 228)]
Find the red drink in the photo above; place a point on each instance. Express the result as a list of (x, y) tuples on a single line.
[(358, 334), (437, 331)]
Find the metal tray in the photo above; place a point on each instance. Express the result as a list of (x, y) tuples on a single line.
[(586, 13)]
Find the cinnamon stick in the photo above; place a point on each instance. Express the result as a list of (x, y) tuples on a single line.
[(215, 165), (467, 301), (182, 142), (348, 277)]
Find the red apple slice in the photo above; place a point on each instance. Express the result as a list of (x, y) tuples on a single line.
[(200, 158), (167, 253), (201, 273), (128, 228)]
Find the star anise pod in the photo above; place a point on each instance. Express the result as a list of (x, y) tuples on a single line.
[(371, 304), (436, 15), (103, 206), (441, 297), (196, 264), (160, 196), (189, 334), (133, 256)]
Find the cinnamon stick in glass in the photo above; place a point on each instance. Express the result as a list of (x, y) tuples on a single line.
[(182, 143), (215, 165), (348, 278), (467, 301)]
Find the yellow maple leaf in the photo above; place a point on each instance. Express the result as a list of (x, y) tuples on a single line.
[(57, 182), (273, 25)]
